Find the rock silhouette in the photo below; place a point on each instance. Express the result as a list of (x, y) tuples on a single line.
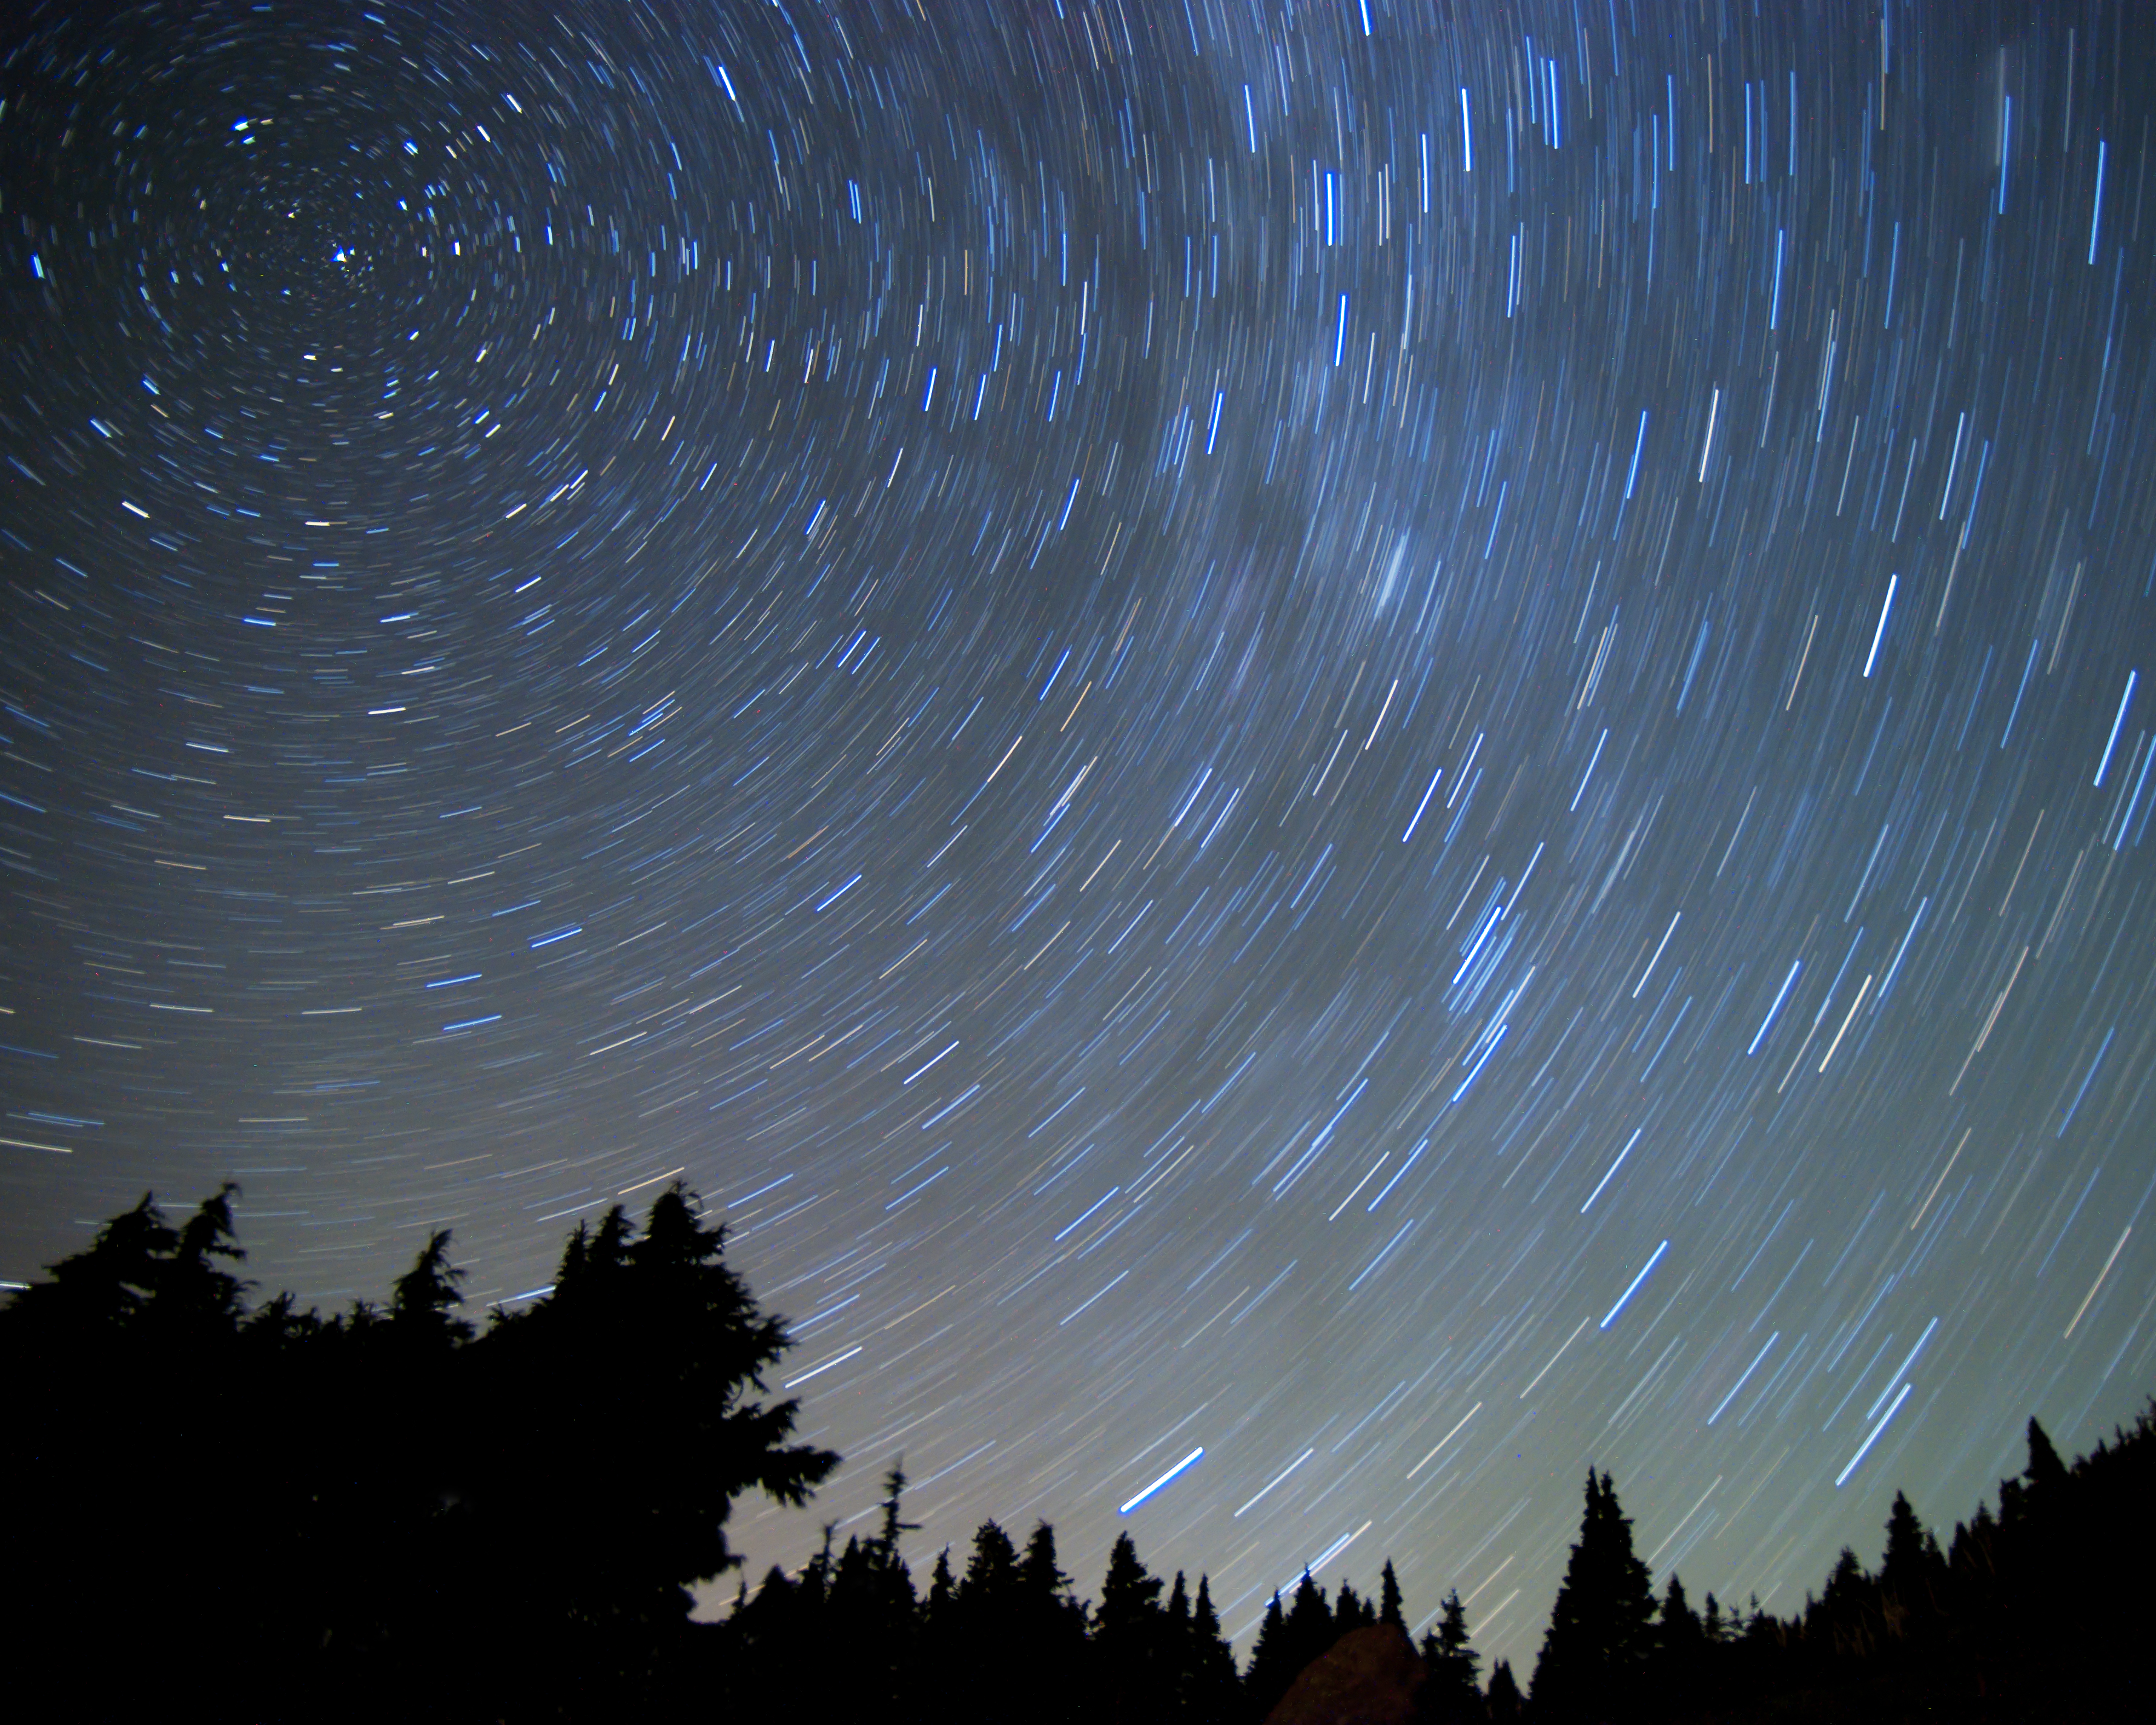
[(1371, 1676)]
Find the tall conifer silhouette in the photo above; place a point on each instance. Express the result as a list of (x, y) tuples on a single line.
[(1597, 1646), (1450, 1692)]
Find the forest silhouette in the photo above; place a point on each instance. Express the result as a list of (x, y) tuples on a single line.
[(256, 1512)]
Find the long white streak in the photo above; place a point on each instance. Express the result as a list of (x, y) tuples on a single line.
[(1597, 756), (2096, 206), (1657, 958), (1941, 1181), (825, 1367), (1740, 1383), (1845, 1023), (2118, 720), (1613, 1167), (1278, 1478), (1382, 711), (1445, 1440), (1638, 443), (1556, 1357), (1864, 1448), (1422, 805), (1337, 1547), (1634, 1288), (1768, 1024), (1879, 634), (1359, 1185), (2101, 1274), (1687, 1515)]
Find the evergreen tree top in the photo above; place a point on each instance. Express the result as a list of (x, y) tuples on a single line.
[(1599, 1634), (1129, 1594), (1389, 1609), (1038, 1570)]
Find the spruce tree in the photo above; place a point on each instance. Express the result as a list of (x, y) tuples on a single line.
[(1450, 1692), (1216, 1694), (2045, 1472), (1176, 1676), (1049, 1635), (893, 1528), (1043, 1578), (941, 1589), (503, 1525), (1287, 1641), (617, 1419), (1271, 1668), (95, 1293), (195, 1300), (1389, 1597), (1678, 1664), (1505, 1701), (1680, 1630), (1843, 1621), (1130, 1635), (1310, 1631), (991, 1581), (1129, 1593), (1905, 1542), (1597, 1643), (420, 1303)]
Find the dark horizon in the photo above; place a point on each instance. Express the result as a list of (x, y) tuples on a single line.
[(1323, 759), (502, 1522)]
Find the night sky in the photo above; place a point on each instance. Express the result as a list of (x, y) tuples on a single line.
[(1411, 743)]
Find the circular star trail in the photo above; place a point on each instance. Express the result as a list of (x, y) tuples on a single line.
[(1412, 744)]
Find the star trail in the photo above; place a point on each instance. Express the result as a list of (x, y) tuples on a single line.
[(1322, 758)]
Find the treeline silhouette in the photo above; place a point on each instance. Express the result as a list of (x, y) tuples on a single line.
[(261, 1513), (381, 1514)]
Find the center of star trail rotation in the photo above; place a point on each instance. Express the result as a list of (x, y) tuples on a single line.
[(1320, 757)]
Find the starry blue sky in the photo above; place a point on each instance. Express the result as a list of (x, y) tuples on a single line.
[(1410, 743)]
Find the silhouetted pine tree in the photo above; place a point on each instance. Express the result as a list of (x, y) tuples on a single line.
[(1389, 1597), (1677, 1667), (1450, 1692), (2045, 1472), (1051, 1645), (1714, 1625), (619, 1419), (96, 1293), (1310, 1631), (991, 1580), (1596, 1649), (1912, 1577), (1130, 1636), (941, 1589), (421, 1302), (980, 1633), (1214, 1695), (1504, 1700), (193, 1302), (1271, 1668), (1287, 1641), (118, 1368), (1842, 1622)]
